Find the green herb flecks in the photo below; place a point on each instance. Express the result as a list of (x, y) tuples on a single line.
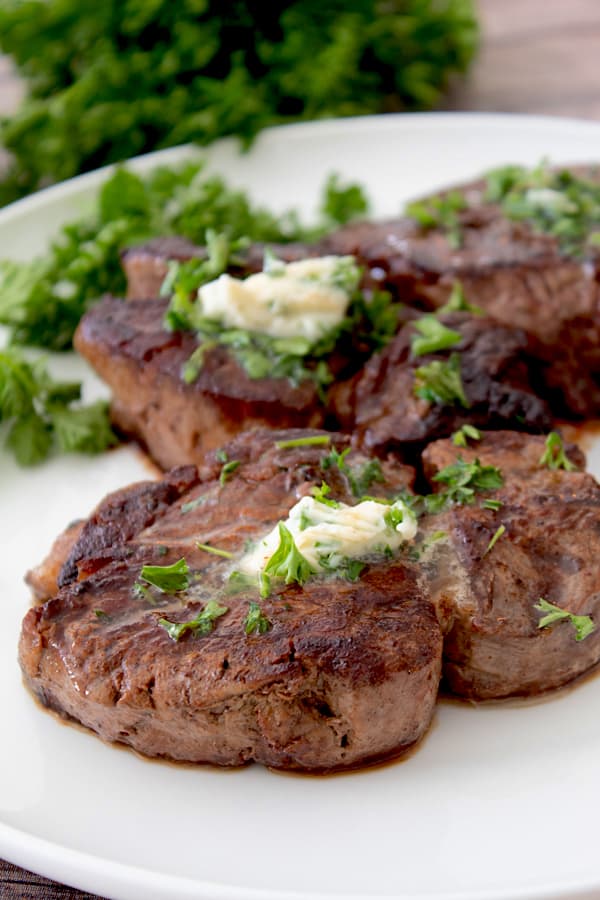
[(321, 495), (344, 567), (228, 469), (497, 535), (467, 432), (457, 302), (462, 482), (360, 478), (287, 562), (440, 382), (432, 337), (216, 551), (167, 579), (559, 203), (494, 505), (201, 624), (256, 622), (554, 456), (441, 212), (316, 440), (41, 416), (583, 625)]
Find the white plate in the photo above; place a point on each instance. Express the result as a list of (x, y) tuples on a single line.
[(498, 802)]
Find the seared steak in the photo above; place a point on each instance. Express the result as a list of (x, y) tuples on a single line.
[(346, 674), (498, 374), (486, 595), (178, 422)]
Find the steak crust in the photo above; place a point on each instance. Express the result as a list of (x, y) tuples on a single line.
[(486, 597), (178, 422), (346, 675)]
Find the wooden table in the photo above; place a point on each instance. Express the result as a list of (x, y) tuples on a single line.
[(537, 56)]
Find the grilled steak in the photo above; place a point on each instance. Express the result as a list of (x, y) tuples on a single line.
[(498, 375), (346, 674), (178, 422), (486, 595)]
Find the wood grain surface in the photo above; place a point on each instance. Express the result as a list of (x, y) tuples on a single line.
[(537, 56)]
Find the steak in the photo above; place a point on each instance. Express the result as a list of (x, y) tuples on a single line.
[(499, 376), (178, 422), (486, 595), (346, 674)]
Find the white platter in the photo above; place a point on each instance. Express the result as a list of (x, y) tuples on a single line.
[(498, 802)]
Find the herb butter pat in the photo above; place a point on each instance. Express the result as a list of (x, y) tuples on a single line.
[(326, 535), (300, 299)]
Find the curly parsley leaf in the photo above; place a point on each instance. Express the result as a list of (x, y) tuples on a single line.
[(462, 482), (465, 433), (583, 625)]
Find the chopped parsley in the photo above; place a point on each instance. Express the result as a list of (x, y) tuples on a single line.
[(497, 535), (193, 504), (201, 624), (167, 579), (440, 382), (441, 212), (554, 456), (494, 505), (316, 440), (360, 478), (342, 566), (583, 625), (256, 622), (467, 432), (228, 469), (287, 562), (457, 302), (215, 551), (321, 495), (558, 203), (432, 337), (462, 482)]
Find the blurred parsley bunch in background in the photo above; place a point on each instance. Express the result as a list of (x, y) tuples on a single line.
[(112, 79)]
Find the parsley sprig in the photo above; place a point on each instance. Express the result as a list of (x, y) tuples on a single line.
[(583, 625), (41, 415), (441, 212), (287, 562), (432, 337), (167, 579), (256, 622), (440, 382)]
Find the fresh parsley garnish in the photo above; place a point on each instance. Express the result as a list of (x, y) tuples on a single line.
[(216, 551), (497, 535), (321, 495), (440, 382), (583, 625), (554, 456), (360, 478), (41, 415), (228, 469), (457, 302), (167, 579), (201, 624), (256, 621), (462, 482), (342, 566), (316, 440), (558, 203), (432, 337), (494, 505), (287, 562), (467, 432), (441, 212)]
